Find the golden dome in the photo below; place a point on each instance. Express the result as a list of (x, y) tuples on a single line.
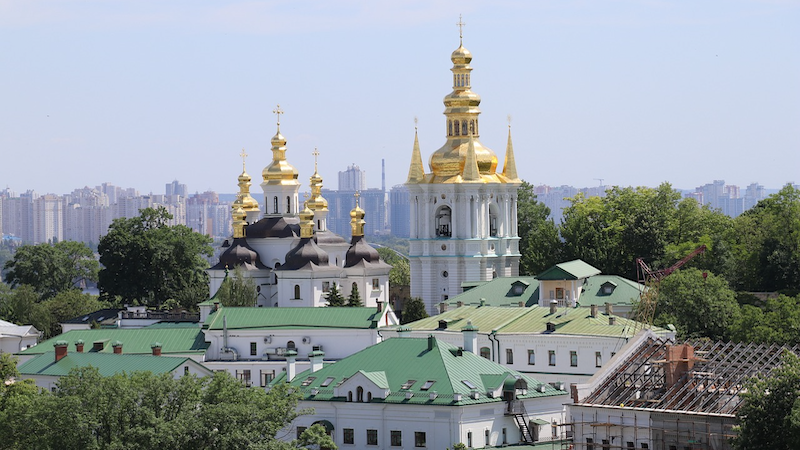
[(317, 202), (279, 171), (244, 198), (306, 222), (239, 222), (448, 161), (357, 219), (461, 55)]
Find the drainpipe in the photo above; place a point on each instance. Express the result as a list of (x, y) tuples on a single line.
[(225, 348), (494, 341)]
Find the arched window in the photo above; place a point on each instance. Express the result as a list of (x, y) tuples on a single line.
[(360, 394), (485, 352), (319, 224), (443, 222), (457, 123), (296, 291), (290, 345), (349, 396), (288, 205), (369, 397), (449, 127), (493, 220), (275, 206), (471, 127), (464, 127)]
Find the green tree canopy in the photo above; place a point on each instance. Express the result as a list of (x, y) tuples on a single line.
[(699, 304), (146, 261), (400, 274), (238, 290), (355, 297), (51, 269), (770, 413), (67, 305), (413, 310), (777, 322), (539, 244), (335, 297)]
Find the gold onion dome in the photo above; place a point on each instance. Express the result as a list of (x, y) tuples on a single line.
[(239, 222), (357, 221), (245, 199), (317, 202), (306, 222), (279, 171), (461, 55)]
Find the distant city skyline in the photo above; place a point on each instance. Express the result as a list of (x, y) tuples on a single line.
[(634, 93)]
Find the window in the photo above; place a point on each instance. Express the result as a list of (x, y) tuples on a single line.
[(630, 444), (419, 439), (531, 357), (408, 384), (509, 356), (369, 397), (598, 359), (300, 431), (290, 345), (349, 436), (485, 352), (296, 291), (266, 377), (326, 286), (327, 382), (469, 438), (645, 445), (308, 381), (253, 349), (243, 375), (559, 293), (458, 127), (396, 438), (275, 206), (486, 436), (372, 437), (573, 358), (469, 384), (427, 385), (288, 205), (555, 430), (551, 357), (360, 394), (606, 444), (186, 370), (589, 444), (350, 396), (505, 436), (376, 284), (449, 127), (464, 127)]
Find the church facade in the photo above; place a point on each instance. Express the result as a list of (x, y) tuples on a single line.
[(463, 212), (286, 248)]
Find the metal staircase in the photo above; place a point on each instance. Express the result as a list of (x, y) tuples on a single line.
[(517, 409)]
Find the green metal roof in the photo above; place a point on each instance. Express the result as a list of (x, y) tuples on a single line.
[(488, 319), (401, 360), (572, 270), (624, 292), (500, 292), (134, 340), (292, 318), (107, 364)]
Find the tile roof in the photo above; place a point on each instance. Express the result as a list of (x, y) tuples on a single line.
[(293, 318), (571, 270), (488, 319), (106, 364), (400, 360), (134, 340)]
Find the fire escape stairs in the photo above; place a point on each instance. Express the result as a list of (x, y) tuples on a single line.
[(517, 409)]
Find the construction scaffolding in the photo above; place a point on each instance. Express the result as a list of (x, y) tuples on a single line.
[(671, 397)]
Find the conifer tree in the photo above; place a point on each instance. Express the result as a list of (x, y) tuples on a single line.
[(355, 297), (334, 296)]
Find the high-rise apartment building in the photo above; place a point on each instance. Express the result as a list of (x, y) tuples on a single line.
[(399, 211), (352, 179)]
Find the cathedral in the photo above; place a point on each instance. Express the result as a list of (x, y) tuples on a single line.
[(463, 212), (287, 251)]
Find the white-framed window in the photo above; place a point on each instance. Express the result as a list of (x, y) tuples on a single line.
[(531, 357)]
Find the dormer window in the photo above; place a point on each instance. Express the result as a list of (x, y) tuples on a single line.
[(308, 381), (408, 384), (608, 287), (327, 382), (469, 384)]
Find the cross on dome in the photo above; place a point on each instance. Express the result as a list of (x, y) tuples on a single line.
[(316, 154), (460, 29), (243, 154), (278, 111)]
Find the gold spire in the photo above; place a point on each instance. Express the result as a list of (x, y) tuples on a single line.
[(357, 221), (317, 202), (471, 172), (416, 172), (306, 222), (239, 223), (510, 165), (244, 198), (279, 171)]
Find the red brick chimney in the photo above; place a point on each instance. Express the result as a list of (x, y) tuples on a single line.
[(117, 347), (680, 359), (156, 346), (61, 349), (79, 346)]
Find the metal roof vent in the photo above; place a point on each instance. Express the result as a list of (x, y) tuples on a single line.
[(409, 394)]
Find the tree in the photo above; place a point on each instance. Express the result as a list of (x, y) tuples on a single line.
[(770, 413), (315, 438), (146, 261), (413, 310), (51, 269), (335, 297), (22, 306), (539, 243), (777, 322), (355, 297), (67, 305), (400, 274), (699, 304), (238, 290)]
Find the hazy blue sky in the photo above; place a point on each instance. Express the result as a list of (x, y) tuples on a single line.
[(138, 93)]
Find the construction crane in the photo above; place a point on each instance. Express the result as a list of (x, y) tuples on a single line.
[(648, 296)]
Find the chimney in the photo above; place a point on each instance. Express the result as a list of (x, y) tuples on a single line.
[(379, 305), (483, 302), (216, 306), (442, 307), (61, 349), (79, 346), (521, 304), (553, 306), (612, 320), (97, 346), (470, 337), (680, 359), (431, 342), (117, 347), (593, 310), (316, 356), (291, 359), (156, 347), (459, 304), (609, 308)]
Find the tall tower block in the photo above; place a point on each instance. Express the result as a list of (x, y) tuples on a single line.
[(463, 213)]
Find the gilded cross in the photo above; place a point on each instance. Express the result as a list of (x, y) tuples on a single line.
[(460, 28), (316, 154), (357, 195), (278, 111), (244, 157), (416, 121), (509, 120)]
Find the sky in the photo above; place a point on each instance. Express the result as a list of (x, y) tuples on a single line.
[(138, 93)]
